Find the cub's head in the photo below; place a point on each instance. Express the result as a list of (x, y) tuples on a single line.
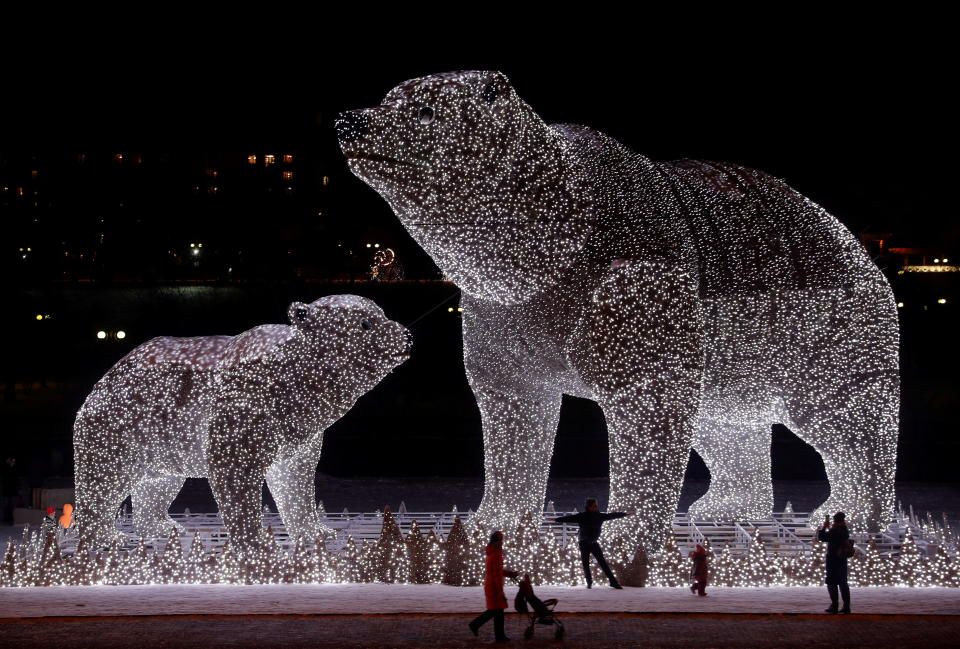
[(349, 335), (491, 192)]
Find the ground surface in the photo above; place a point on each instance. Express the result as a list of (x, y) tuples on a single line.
[(347, 599), (582, 631)]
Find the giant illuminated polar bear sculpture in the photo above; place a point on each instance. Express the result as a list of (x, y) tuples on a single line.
[(234, 409), (697, 302)]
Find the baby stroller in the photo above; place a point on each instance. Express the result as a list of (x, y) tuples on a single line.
[(542, 612)]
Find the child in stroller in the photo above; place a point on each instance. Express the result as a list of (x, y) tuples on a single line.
[(542, 612)]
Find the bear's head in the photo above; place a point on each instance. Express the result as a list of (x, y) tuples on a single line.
[(492, 193), (348, 336)]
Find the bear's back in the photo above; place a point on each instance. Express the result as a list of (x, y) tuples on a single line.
[(739, 231)]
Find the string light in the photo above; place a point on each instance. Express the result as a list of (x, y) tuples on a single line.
[(697, 302), (40, 560), (237, 410)]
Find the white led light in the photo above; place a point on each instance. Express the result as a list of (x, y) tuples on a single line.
[(237, 410), (697, 302)]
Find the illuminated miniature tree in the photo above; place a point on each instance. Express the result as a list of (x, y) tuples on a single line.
[(697, 302), (549, 561), (637, 571), (879, 570), (392, 562), (669, 568), (943, 569), (418, 553), (458, 556), (725, 568), (911, 566), (520, 548)]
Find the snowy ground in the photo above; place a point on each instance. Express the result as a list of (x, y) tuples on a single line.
[(347, 599)]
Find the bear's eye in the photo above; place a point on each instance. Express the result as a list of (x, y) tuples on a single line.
[(426, 115), (365, 324), (490, 93)]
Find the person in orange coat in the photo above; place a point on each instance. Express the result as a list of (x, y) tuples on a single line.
[(493, 589)]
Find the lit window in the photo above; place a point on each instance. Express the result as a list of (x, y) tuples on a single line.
[(269, 159), (212, 189), (288, 175), (252, 159), (899, 305), (213, 173), (326, 180), (942, 301), (118, 157), (287, 158), (81, 158), (39, 317), (34, 173)]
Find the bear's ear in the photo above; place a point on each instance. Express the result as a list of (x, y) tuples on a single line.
[(298, 313), (494, 86)]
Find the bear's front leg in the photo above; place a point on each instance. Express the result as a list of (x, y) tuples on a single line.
[(291, 483), (640, 351), (518, 434), (238, 455)]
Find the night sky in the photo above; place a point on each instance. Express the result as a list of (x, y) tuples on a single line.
[(854, 117), (858, 120)]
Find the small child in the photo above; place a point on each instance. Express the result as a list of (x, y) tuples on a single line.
[(699, 571)]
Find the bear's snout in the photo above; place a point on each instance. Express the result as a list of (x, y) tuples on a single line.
[(351, 126)]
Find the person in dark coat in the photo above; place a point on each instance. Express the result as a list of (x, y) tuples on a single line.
[(699, 557), (493, 589), (590, 522), (836, 538)]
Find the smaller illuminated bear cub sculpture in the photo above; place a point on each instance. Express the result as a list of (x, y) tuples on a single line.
[(234, 409)]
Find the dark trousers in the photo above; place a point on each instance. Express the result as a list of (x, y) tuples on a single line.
[(588, 548), (844, 592), (700, 584), (497, 615)]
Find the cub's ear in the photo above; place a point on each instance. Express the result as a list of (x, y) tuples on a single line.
[(298, 313)]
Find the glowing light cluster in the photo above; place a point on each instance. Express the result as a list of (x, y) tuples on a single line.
[(457, 560), (697, 302), (237, 410)]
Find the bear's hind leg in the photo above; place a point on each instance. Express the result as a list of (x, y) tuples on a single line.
[(151, 505), (738, 456), (855, 431)]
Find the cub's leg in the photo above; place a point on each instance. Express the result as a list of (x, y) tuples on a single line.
[(291, 483), (644, 362), (102, 478), (738, 456), (518, 435), (238, 452), (151, 499)]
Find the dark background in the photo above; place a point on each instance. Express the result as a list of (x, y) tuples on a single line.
[(861, 125)]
